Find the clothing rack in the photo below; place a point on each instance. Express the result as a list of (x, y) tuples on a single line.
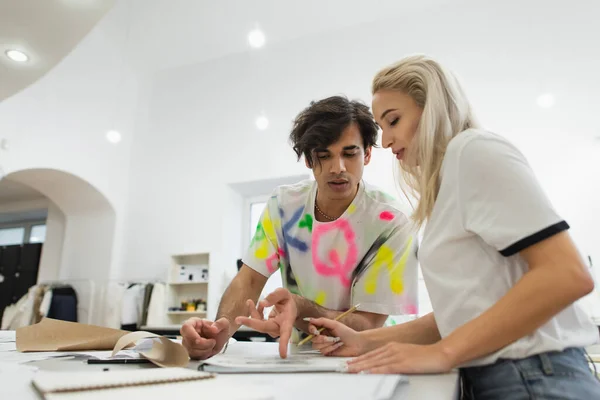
[(91, 294)]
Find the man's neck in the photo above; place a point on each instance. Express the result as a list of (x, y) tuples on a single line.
[(333, 208)]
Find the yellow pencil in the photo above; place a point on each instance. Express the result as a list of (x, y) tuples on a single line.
[(342, 315)]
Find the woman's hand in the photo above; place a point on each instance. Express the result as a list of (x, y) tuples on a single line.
[(402, 358), (338, 339)]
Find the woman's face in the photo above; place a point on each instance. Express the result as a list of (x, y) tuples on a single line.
[(398, 116)]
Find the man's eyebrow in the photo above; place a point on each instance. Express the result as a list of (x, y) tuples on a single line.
[(353, 147), (321, 150)]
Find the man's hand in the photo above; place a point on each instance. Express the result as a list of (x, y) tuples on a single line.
[(281, 320), (203, 339)]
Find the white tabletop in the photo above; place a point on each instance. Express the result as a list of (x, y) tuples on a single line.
[(15, 377)]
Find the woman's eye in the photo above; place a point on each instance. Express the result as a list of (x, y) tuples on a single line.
[(394, 121)]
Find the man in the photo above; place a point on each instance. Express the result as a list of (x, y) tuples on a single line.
[(338, 241)]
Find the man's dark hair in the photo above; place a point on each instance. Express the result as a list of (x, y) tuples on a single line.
[(321, 124)]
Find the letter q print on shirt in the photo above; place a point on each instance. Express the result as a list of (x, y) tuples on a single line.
[(335, 266)]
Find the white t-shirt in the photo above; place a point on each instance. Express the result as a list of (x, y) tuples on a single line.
[(366, 256), (490, 207)]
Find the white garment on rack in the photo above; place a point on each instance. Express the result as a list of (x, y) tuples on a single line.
[(21, 313), (45, 304), (113, 304), (133, 301), (157, 307)]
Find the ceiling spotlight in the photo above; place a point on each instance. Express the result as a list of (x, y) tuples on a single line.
[(16, 55), (262, 123), (545, 100), (113, 137), (256, 38)]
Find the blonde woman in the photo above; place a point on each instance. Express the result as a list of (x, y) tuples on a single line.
[(500, 267)]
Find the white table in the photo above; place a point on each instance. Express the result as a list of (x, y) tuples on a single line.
[(17, 384)]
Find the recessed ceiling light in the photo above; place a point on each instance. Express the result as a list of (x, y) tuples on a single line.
[(17, 55), (262, 123), (545, 100), (256, 38), (113, 136)]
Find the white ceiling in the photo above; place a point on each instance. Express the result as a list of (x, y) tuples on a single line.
[(47, 30), (166, 34)]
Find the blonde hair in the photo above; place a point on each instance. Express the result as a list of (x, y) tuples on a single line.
[(446, 113)]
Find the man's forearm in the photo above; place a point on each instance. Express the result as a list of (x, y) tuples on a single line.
[(357, 320), (423, 330), (233, 302)]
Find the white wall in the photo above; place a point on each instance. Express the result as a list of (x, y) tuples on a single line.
[(51, 258), (27, 205), (200, 133), (59, 123)]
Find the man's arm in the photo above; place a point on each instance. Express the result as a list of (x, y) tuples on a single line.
[(358, 320), (247, 284)]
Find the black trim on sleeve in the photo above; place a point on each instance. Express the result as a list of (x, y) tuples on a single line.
[(535, 238)]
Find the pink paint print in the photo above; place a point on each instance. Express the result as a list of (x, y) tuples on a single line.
[(335, 266), (386, 216)]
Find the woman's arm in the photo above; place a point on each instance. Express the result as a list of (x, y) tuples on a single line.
[(422, 330), (557, 277), (346, 342)]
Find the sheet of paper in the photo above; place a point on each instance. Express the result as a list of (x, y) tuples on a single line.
[(295, 362), (105, 355), (325, 386), (163, 353), (17, 357), (55, 335), (15, 381), (7, 336), (8, 346)]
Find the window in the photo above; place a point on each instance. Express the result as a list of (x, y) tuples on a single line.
[(22, 232), (37, 234), (11, 236)]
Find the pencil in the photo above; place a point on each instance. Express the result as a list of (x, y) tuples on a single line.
[(342, 315)]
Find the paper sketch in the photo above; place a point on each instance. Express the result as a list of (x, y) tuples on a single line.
[(273, 363)]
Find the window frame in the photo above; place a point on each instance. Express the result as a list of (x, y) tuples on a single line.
[(27, 225), (246, 215)]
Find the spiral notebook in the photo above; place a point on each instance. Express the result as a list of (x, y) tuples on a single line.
[(148, 383)]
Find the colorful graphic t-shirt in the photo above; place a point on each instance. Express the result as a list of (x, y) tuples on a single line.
[(366, 256)]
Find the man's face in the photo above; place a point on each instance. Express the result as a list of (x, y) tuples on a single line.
[(338, 169)]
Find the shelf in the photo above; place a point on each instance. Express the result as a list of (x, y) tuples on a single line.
[(188, 283), (186, 312), (171, 327)]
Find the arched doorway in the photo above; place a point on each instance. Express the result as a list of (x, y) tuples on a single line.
[(80, 230)]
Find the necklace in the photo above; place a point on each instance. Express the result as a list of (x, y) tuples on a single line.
[(322, 213)]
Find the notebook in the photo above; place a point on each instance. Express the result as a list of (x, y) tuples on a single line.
[(272, 363), (148, 383)]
